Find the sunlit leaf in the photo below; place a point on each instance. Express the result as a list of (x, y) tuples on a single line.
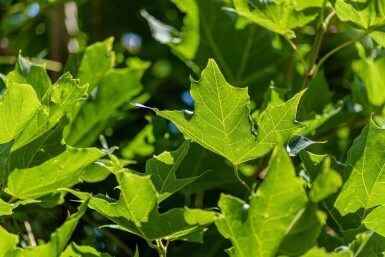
[(136, 211), (278, 16), (32, 74), (369, 71), (64, 170), (115, 88), (221, 120), (258, 228), (362, 14), (365, 185)]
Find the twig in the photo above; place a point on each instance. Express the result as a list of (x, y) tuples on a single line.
[(31, 237)]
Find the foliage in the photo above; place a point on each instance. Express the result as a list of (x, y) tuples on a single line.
[(276, 149)]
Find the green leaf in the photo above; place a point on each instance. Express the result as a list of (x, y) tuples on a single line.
[(116, 88), (26, 72), (7, 208), (318, 95), (258, 228), (95, 172), (278, 16), (304, 233), (58, 100), (73, 250), (320, 252), (64, 170), (369, 71), (326, 183), (184, 43), (364, 172), (59, 239), (213, 171), (8, 243), (91, 65), (221, 121), (5, 150), (361, 14), (39, 150), (141, 145), (162, 169), (18, 106), (136, 211)]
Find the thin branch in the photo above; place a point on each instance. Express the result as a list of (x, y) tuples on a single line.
[(340, 47), (310, 72), (31, 237), (294, 47)]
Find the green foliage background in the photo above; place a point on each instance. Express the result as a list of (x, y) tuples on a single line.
[(192, 127)]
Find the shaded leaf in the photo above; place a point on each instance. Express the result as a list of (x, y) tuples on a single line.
[(183, 43), (298, 144), (5, 150), (326, 183), (73, 250), (162, 169), (258, 228), (221, 121), (64, 170), (304, 233), (365, 167)]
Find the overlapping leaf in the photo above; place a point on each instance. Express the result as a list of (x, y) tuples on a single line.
[(184, 43), (64, 170), (162, 169), (33, 74), (362, 14), (115, 88), (369, 71), (258, 228), (278, 16), (18, 106), (25, 118), (221, 120), (82, 250), (136, 211), (364, 187)]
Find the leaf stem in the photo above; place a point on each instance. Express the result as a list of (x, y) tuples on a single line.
[(162, 250), (236, 172), (294, 47), (338, 48)]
